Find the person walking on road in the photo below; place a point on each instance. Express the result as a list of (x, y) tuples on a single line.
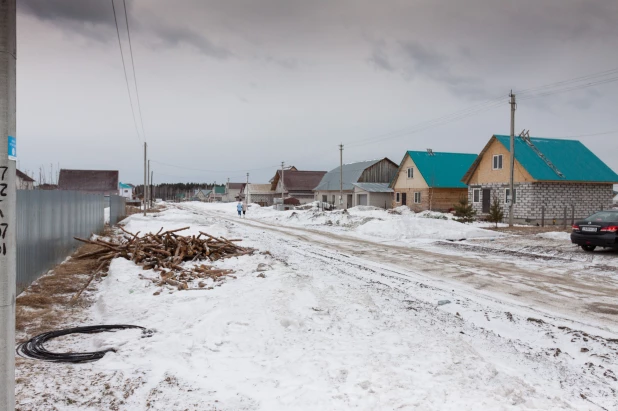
[(239, 208), (244, 210)]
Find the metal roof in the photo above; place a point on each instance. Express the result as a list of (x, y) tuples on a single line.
[(442, 170), (88, 180), (550, 159), (24, 176), (123, 185), (351, 174), (374, 187)]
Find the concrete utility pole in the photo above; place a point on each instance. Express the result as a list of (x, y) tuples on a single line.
[(151, 187), (282, 185), (512, 168), (8, 157), (145, 176), (247, 191), (341, 177), (148, 188)]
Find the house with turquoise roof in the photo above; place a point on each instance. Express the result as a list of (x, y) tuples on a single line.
[(553, 178), (428, 180), (125, 190)]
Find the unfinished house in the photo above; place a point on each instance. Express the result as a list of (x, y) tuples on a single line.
[(364, 183), (296, 184), (89, 181), (553, 178), (259, 194), (428, 180)]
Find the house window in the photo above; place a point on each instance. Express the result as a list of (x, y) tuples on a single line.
[(397, 198), (417, 197), (497, 162), (476, 195), (507, 192), (411, 172)]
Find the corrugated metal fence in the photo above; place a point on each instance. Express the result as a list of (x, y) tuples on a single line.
[(47, 221), (117, 209)]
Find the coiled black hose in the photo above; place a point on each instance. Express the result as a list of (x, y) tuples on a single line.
[(34, 347)]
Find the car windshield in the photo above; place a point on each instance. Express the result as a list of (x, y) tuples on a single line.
[(603, 217)]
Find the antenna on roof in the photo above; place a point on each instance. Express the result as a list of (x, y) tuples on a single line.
[(430, 151)]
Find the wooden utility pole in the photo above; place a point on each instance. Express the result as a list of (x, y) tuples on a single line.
[(341, 177), (512, 167)]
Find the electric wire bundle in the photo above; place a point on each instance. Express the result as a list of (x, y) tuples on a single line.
[(35, 347)]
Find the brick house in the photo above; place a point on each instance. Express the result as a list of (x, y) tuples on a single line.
[(551, 176), (428, 180), (369, 174)]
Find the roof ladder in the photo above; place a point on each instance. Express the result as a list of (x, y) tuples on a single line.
[(525, 136)]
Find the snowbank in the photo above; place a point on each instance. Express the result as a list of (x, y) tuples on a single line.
[(106, 215), (399, 224)]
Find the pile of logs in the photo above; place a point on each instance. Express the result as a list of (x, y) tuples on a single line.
[(165, 251)]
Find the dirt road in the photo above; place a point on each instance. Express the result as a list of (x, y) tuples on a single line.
[(560, 288)]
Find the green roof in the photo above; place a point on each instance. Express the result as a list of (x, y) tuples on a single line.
[(571, 160), (219, 189), (123, 185), (442, 170)]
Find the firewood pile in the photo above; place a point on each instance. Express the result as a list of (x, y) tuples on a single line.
[(165, 251)]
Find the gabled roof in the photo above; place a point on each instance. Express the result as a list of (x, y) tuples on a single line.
[(374, 187), (295, 180), (236, 186), (24, 176), (259, 189), (351, 173), (88, 180), (569, 157), (204, 191), (442, 170)]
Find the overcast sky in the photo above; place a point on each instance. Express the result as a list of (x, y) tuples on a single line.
[(235, 86)]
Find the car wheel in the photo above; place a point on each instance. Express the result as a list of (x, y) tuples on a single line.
[(589, 248)]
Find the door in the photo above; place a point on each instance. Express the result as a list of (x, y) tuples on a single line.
[(486, 199), (350, 200), (362, 199), (403, 199)]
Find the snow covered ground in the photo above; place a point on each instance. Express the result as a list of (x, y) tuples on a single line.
[(344, 319)]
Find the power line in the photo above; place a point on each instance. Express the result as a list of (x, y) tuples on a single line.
[(139, 106), (212, 171), (569, 81), (125, 72)]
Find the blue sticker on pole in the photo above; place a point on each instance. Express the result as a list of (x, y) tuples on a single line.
[(12, 148)]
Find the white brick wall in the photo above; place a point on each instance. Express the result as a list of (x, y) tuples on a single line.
[(580, 198)]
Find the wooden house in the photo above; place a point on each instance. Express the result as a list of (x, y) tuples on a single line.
[(296, 184), (359, 184), (428, 180), (553, 177)]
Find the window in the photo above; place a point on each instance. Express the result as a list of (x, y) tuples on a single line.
[(476, 195), (507, 192), (324, 198), (497, 162), (397, 198), (411, 172), (417, 197)]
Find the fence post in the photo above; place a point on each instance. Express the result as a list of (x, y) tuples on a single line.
[(572, 214), (565, 217), (542, 216)]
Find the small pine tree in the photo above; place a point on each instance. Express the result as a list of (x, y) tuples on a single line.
[(496, 215), (464, 211)]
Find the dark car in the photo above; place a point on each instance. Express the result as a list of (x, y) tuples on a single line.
[(598, 230)]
